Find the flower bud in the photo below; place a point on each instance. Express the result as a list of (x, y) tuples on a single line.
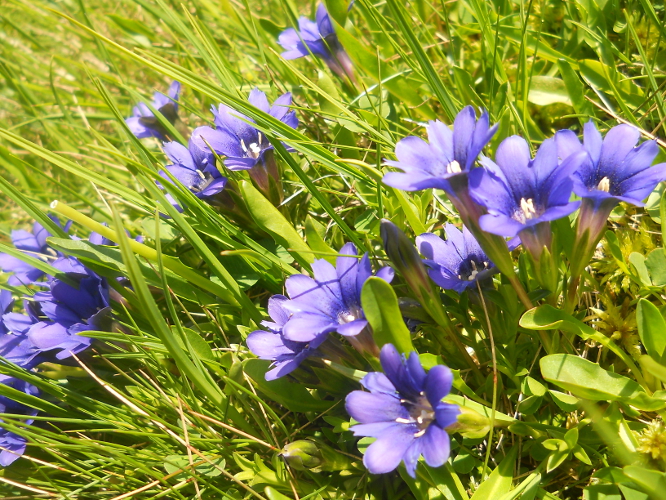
[(302, 455), (405, 258), (309, 455)]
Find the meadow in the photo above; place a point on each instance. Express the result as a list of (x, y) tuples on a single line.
[(337, 250)]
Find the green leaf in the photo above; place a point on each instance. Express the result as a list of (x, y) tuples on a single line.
[(313, 235), (656, 267), (651, 329), (638, 262), (273, 222), (575, 90), (199, 346), (499, 482), (382, 311), (294, 397), (545, 90), (588, 380), (602, 492), (650, 481), (565, 402), (649, 365)]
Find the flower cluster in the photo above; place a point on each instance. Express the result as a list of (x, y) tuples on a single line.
[(241, 145), (329, 302), (517, 196), (50, 329)]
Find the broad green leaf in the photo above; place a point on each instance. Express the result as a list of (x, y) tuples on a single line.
[(602, 492), (499, 482), (656, 267), (380, 305), (547, 317), (637, 260), (649, 365), (273, 222), (589, 381), (575, 90), (651, 329), (650, 481), (546, 90), (313, 235)]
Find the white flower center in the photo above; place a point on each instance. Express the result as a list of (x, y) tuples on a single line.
[(453, 168), (421, 413), (604, 185), (527, 206)]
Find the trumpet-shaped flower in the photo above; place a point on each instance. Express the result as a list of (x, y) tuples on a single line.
[(143, 122), (457, 263), (197, 172), (521, 193), (614, 168), (286, 354), (64, 311), (331, 301), (234, 137), (317, 38), (405, 412), (449, 154), (34, 244)]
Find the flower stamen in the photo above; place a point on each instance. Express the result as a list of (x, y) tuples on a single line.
[(453, 168), (527, 206), (604, 185)]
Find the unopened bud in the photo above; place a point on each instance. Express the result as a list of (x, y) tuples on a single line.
[(302, 455), (405, 258), (314, 456)]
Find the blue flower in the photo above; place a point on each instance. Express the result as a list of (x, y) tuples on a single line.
[(286, 355), (143, 122), (613, 169), (234, 136), (33, 244), (405, 412), (13, 445), (457, 263), (523, 195), (331, 302), (194, 168), (317, 38), (450, 153), (65, 311)]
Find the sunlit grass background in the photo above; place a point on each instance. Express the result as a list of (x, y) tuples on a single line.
[(139, 422)]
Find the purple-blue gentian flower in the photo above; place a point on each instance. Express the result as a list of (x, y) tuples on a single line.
[(450, 153), (197, 172), (286, 355), (457, 263), (522, 195), (317, 38), (613, 170), (34, 244), (242, 145), (15, 346), (6, 305), (12, 445), (143, 122), (65, 311), (331, 301), (405, 412), (234, 137)]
